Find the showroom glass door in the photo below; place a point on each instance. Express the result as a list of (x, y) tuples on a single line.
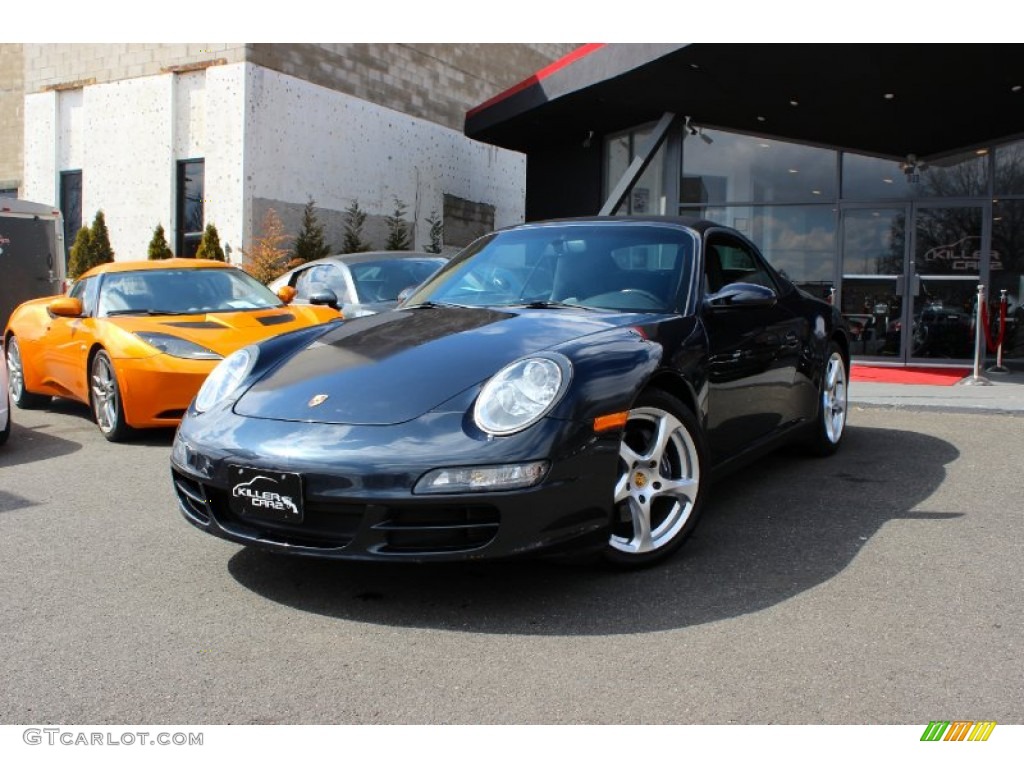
[(909, 279), (945, 269), (874, 261)]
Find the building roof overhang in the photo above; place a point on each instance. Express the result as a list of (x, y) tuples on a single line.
[(889, 100)]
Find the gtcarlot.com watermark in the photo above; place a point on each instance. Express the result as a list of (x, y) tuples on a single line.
[(71, 738)]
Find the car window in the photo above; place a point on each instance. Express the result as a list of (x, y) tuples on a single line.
[(85, 291), (378, 281), (623, 268), (319, 277), (181, 291), (730, 261)]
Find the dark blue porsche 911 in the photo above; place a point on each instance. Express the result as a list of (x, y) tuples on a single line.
[(559, 386)]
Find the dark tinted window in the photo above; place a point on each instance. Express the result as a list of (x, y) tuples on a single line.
[(71, 205), (191, 184), (628, 267), (732, 261)]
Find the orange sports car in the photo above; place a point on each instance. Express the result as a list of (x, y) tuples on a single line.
[(135, 340)]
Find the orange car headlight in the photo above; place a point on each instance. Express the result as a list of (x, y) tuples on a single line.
[(177, 347)]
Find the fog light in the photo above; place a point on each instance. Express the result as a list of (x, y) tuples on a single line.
[(502, 477)]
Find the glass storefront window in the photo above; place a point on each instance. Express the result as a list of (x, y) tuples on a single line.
[(798, 240), (738, 168), (874, 178), (647, 197), (1010, 169), (1007, 273)]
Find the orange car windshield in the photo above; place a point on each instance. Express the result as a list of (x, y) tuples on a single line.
[(181, 292)]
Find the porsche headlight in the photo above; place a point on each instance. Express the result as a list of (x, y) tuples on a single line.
[(176, 346), (520, 394), (226, 377)]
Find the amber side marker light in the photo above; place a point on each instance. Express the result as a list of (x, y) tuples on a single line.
[(611, 421)]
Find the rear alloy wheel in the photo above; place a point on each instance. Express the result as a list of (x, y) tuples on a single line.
[(830, 422), (105, 396), (660, 490), (16, 379)]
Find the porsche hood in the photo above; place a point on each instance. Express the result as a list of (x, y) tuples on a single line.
[(395, 366)]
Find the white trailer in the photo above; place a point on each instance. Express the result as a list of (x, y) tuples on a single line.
[(32, 255)]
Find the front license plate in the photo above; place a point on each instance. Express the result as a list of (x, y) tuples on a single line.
[(263, 495)]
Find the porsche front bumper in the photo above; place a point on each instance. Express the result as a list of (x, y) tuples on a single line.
[(357, 497)]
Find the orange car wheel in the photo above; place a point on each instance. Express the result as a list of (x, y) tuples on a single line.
[(16, 379), (105, 397)]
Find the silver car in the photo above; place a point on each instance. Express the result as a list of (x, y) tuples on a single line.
[(5, 399), (359, 283)]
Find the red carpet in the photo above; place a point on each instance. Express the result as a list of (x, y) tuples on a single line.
[(909, 375)]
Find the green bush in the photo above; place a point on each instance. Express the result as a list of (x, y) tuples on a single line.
[(158, 248), (79, 255), (398, 230), (310, 244), (209, 246), (355, 218), (436, 233), (101, 251), (91, 248)]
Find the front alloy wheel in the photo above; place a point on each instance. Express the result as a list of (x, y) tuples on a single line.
[(106, 399), (832, 404), (16, 379), (660, 487)]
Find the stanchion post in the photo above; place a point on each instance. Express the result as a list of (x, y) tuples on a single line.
[(979, 340), (999, 367)]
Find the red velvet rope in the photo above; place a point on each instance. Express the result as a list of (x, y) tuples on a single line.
[(994, 345)]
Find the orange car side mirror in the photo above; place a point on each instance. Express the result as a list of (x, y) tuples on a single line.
[(65, 307), (286, 294)]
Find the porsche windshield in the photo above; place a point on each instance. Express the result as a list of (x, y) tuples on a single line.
[(629, 267), (182, 292)]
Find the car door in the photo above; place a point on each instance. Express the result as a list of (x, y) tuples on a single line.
[(754, 347), (67, 342)]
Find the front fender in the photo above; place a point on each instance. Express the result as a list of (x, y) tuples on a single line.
[(609, 372)]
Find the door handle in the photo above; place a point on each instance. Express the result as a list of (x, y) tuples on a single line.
[(901, 284), (915, 285)]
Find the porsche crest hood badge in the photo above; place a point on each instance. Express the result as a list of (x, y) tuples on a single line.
[(316, 400)]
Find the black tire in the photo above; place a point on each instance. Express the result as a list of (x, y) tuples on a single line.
[(826, 433), (105, 399), (6, 431), (662, 482), (20, 396)]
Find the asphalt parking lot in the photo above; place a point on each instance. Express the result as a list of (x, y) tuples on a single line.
[(879, 586)]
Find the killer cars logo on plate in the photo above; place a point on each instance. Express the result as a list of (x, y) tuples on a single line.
[(257, 493)]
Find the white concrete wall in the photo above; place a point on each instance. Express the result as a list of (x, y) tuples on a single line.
[(304, 140), (264, 136), (128, 168), (41, 172), (223, 146), (71, 130)]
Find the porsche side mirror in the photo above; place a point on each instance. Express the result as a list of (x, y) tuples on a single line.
[(324, 297), (286, 294), (736, 295), (65, 306)]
